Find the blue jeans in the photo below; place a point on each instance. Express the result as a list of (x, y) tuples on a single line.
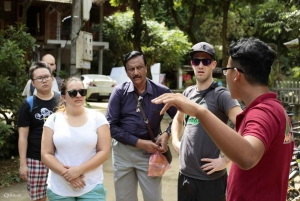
[(96, 194)]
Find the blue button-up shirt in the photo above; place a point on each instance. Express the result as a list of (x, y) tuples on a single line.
[(126, 124)]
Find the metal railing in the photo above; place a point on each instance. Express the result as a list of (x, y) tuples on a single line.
[(287, 91)]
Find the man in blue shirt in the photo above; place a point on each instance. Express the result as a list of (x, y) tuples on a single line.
[(132, 145)]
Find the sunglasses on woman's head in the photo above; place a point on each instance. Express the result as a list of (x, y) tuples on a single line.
[(73, 93), (205, 62)]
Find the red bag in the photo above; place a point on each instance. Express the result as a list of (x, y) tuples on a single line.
[(158, 165)]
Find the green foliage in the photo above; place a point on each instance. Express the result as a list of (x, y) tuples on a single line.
[(290, 3), (164, 46), (277, 23), (15, 52), (272, 21), (296, 73), (9, 172), (64, 74), (159, 44)]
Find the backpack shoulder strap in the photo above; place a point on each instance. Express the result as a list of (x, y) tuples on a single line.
[(29, 100), (190, 90), (32, 88)]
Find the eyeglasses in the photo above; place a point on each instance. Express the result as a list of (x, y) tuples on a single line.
[(41, 79), (205, 62), (73, 93), (224, 70)]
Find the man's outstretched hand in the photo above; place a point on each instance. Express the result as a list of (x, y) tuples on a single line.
[(182, 103)]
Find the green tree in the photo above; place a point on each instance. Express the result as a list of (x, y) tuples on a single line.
[(135, 32), (190, 17), (158, 43), (15, 53), (277, 23)]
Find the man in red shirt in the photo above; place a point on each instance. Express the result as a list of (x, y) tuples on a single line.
[(262, 147)]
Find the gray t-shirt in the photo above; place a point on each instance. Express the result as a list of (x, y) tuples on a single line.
[(195, 142)]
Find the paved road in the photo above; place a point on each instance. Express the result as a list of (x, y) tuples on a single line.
[(18, 192)]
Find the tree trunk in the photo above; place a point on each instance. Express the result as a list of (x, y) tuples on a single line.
[(185, 27), (138, 24), (26, 5), (224, 33), (75, 30)]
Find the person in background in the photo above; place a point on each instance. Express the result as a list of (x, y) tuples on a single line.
[(132, 145), (261, 149), (203, 174), (30, 128), (75, 144), (29, 89)]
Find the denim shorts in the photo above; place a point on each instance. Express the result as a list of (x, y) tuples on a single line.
[(96, 194)]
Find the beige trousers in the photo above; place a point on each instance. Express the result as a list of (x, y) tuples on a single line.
[(130, 166)]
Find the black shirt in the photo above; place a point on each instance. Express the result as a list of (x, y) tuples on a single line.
[(41, 110)]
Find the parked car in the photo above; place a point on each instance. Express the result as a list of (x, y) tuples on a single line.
[(98, 86)]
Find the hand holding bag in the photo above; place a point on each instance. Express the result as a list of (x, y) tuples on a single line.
[(167, 154)]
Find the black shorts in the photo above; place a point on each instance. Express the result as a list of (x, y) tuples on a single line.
[(190, 189)]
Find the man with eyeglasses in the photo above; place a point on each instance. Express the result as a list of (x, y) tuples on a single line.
[(262, 148), (30, 127), (29, 89), (203, 174), (132, 145)]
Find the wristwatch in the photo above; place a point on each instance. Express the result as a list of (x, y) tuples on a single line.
[(166, 131)]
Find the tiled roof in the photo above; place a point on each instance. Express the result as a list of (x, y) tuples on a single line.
[(57, 1)]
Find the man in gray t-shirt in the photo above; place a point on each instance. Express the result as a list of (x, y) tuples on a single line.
[(203, 174)]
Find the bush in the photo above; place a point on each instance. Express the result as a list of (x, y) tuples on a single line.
[(16, 50)]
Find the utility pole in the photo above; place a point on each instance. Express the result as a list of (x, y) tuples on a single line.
[(100, 56), (76, 26)]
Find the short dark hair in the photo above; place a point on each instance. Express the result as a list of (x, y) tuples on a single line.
[(255, 57), (131, 55), (37, 65)]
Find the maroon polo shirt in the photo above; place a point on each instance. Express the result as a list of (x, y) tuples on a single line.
[(265, 119)]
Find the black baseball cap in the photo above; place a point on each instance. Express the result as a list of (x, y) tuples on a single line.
[(203, 47)]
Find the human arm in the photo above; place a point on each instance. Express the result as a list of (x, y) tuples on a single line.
[(48, 150), (217, 164), (246, 151), (233, 112), (165, 135), (26, 91), (114, 115), (54, 85), (122, 117), (23, 144), (162, 142), (177, 127), (103, 150)]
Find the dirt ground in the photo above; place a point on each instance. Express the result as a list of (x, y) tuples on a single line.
[(169, 191)]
